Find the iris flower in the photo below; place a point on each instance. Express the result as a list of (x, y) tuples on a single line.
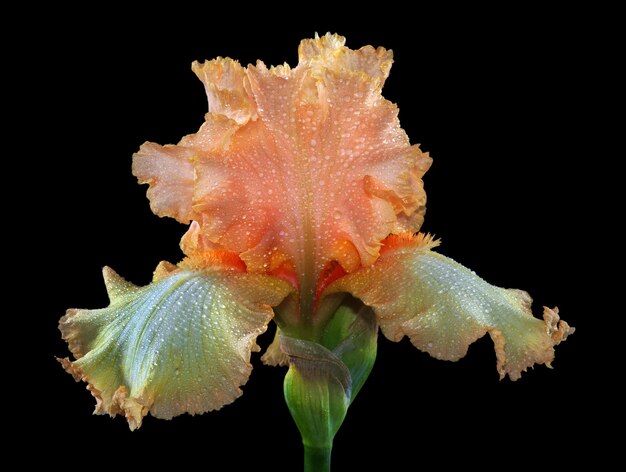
[(304, 198)]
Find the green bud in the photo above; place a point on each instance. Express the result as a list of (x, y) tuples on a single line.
[(324, 378), (352, 335), (318, 389)]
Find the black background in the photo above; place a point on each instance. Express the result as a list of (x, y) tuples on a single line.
[(489, 99)]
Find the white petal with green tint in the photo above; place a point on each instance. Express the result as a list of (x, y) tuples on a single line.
[(443, 307), (179, 345)]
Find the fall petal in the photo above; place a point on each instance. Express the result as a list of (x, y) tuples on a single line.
[(179, 345), (443, 307)]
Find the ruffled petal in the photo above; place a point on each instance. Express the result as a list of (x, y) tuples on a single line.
[(179, 345), (274, 355), (169, 171), (295, 167), (337, 145), (443, 307), (225, 84)]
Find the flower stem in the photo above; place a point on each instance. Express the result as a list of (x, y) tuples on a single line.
[(317, 459)]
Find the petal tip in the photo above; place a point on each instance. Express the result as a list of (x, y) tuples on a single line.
[(133, 410), (224, 81), (557, 329), (274, 355), (163, 270), (115, 284), (70, 368)]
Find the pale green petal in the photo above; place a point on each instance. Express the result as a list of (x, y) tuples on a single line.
[(179, 345), (443, 307), (273, 355)]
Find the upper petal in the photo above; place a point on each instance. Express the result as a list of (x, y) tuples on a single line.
[(225, 84), (337, 145), (179, 345), (319, 171), (444, 307), (169, 171)]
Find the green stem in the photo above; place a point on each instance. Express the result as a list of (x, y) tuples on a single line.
[(317, 459)]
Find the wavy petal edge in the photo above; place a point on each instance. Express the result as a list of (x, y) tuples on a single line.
[(179, 345), (444, 307)]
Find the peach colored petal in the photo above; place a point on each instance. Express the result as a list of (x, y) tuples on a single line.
[(311, 165), (224, 82), (169, 171), (444, 307)]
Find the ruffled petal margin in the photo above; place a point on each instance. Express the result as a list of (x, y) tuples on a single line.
[(443, 307), (179, 345), (260, 178), (274, 355)]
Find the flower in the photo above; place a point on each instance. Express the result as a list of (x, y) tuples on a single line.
[(299, 188)]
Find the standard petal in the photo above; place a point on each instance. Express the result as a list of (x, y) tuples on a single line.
[(294, 168), (169, 171), (443, 307), (337, 143), (179, 345)]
